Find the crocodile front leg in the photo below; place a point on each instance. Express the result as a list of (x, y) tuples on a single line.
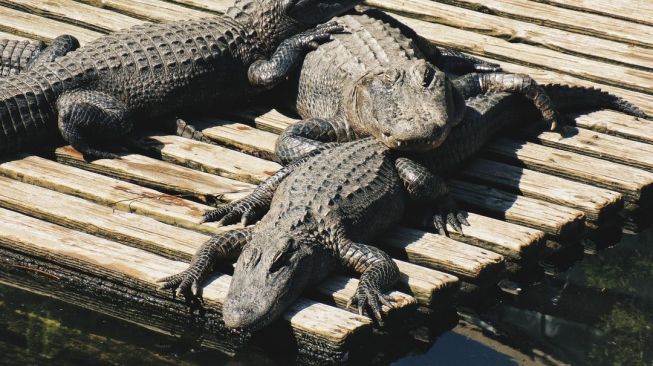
[(222, 246), (378, 273), (423, 186), (289, 55), (306, 136), (251, 208), (87, 116), (475, 84), (60, 46)]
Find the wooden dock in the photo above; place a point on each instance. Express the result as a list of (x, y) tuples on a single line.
[(99, 234)]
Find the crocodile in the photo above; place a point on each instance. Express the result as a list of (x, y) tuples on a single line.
[(381, 79), (321, 216), (96, 93)]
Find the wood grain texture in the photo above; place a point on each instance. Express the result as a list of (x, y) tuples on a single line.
[(161, 175), (557, 17), (617, 124), (598, 204), (150, 10), (517, 31), (72, 12), (35, 27), (638, 11), (635, 184), (555, 220)]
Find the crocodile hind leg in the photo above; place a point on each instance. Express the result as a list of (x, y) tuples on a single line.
[(60, 46), (423, 186), (305, 136), (87, 117), (226, 245), (477, 83), (378, 273), (19, 56)]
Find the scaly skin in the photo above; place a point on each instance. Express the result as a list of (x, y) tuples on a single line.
[(320, 215), (97, 92), (378, 79)]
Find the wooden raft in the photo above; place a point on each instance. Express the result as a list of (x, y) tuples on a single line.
[(98, 234)]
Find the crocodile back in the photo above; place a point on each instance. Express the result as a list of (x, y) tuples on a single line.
[(366, 44), (354, 187)]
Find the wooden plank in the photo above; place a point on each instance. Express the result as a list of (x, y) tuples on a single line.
[(143, 232), (231, 135), (555, 220), (520, 53), (111, 192), (150, 10), (439, 252), (552, 16), (598, 204), (4, 35), (139, 269), (599, 145), (72, 12), (35, 27), (162, 176), (208, 158), (617, 124), (638, 11), (635, 184), (517, 31)]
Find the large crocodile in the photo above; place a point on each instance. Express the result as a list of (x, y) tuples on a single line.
[(97, 92), (321, 215), (381, 79)]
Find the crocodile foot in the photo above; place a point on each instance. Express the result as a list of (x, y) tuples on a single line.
[(448, 213), (372, 299), (248, 210)]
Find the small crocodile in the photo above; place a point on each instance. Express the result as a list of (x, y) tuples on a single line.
[(324, 211), (97, 92), (381, 79)]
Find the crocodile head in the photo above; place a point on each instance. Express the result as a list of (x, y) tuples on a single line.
[(407, 108), (276, 20), (270, 274)]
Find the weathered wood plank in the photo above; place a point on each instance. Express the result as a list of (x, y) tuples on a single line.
[(72, 12), (519, 31), (4, 35), (142, 231), (208, 158), (35, 27), (439, 252), (552, 16), (600, 145), (231, 135), (617, 124), (638, 11), (635, 184), (160, 175), (555, 220), (150, 10), (137, 268), (598, 204), (624, 77)]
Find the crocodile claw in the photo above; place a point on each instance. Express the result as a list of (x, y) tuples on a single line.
[(449, 214), (246, 210), (371, 299), (187, 283), (312, 38)]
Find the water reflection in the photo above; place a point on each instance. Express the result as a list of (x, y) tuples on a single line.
[(599, 312)]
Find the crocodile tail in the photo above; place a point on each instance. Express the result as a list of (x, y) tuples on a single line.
[(575, 98)]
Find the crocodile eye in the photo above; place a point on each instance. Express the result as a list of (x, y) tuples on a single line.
[(282, 258)]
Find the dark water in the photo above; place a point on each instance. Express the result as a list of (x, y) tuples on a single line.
[(599, 312)]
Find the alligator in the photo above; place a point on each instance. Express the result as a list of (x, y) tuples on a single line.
[(381, 79), (320, 216), (96, 93)]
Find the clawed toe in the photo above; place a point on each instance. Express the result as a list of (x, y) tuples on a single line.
[(370, 301), (449, 214)]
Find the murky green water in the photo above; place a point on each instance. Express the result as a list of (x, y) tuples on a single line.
[(600, 312)]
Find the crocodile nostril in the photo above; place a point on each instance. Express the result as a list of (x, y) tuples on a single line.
[(386, 134)]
